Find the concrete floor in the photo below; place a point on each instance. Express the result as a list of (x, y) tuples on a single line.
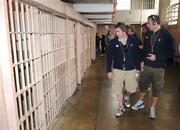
[(93, 106)]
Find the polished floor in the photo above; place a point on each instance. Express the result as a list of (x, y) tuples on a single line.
[(93, 106)]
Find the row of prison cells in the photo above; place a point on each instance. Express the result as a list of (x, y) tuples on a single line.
[(45, 59)]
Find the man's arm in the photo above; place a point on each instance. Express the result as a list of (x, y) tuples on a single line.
[(109, 56)]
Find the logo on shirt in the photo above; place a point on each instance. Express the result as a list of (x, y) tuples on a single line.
[(159, 39), (147, 37), (117, 45)]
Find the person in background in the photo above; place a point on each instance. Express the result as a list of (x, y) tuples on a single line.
[(145, 31), (107, 39), (131, 31), (97, 43), (159, 45), (124, 57), (103, 45)]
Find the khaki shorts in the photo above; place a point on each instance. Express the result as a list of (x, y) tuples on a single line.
[(154, 76), (120, 76)]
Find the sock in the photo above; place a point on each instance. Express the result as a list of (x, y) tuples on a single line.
[(140, 101)]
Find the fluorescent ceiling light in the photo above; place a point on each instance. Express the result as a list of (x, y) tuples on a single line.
[(123, 5)]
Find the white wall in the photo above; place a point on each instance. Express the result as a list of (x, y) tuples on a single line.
[(136, 16)]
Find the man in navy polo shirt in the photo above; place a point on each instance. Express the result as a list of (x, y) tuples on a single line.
[(159, 46), (123, 55)]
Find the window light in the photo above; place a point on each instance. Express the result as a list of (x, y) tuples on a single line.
[(123, 5), (172, 2)]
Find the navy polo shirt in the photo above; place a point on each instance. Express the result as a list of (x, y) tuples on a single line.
[(115, 55), (164, 48)]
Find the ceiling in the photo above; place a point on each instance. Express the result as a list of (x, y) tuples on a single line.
[(88, 1), (98, 11), (103, 11)]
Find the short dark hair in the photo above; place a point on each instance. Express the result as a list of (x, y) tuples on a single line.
[(122, 26), (132, 28), (155, 18)]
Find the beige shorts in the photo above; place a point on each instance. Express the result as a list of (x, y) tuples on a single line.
[(120, 77)]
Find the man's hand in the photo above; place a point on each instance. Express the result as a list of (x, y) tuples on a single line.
[(151, 57), (109, 75), (142, 66), (140, 46)]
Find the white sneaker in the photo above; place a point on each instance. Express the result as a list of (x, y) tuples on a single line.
[(127, 101), (152, 113), (120, 112), (138, 105)]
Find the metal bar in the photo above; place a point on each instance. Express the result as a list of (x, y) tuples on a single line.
[(12, 29), (28, 17), (26, 67)]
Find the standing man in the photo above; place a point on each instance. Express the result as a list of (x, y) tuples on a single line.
[(159, 46), (103, 45), (97, 43), (123, 55)]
